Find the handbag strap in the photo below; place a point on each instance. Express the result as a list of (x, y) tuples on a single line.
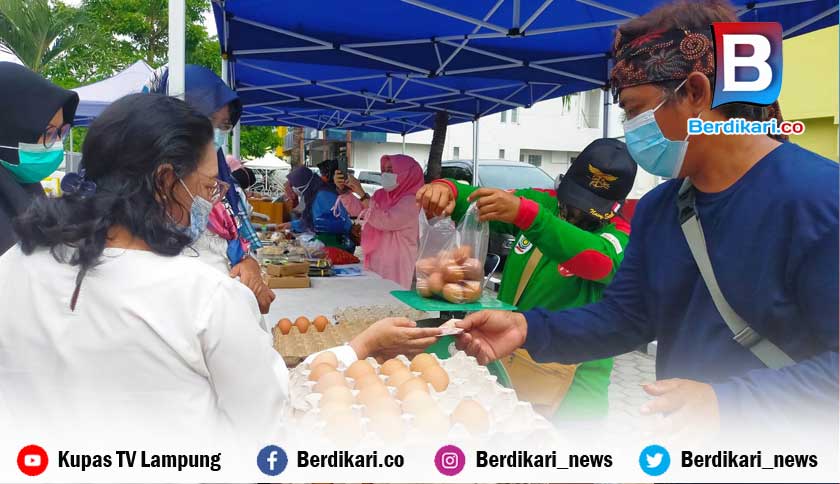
[(769, 354), (530, 267)]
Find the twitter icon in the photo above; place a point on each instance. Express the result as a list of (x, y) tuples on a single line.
[(654, 460)]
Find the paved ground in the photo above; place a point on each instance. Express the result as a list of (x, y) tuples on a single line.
[(626, 394)]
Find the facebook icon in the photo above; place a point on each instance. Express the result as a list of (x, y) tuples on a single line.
[(272, 460)]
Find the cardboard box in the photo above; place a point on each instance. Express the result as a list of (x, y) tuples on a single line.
[(290, 269), (288, 282)]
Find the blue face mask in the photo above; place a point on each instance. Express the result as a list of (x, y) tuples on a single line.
[(199, 214), (35, 161), (219, 138), (649, 147)]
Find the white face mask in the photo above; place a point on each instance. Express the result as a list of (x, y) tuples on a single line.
[(389, 181)]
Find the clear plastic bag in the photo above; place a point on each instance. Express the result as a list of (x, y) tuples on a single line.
[(450, 262)]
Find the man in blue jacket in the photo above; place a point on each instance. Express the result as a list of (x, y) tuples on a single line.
[(769, 211)]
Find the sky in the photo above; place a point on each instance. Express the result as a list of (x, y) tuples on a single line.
[(209, 24)]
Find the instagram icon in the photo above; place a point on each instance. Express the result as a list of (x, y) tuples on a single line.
[(450, 460)]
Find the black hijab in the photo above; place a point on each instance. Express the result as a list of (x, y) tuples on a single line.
[(27, 103)]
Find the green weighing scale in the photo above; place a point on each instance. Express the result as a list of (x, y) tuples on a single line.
[(448, 311)]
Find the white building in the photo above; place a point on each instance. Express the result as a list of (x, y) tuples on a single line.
[(549, 135)]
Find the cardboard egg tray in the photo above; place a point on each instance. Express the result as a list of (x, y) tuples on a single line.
[(510, 420), (296, 346)]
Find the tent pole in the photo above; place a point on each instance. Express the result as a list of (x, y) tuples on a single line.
[(475, 152), (177, 42), (403, 140), (606, 119), (237, 131), (69, 164)]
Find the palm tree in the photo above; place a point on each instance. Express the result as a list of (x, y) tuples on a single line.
[(436, 149), (37, 31)]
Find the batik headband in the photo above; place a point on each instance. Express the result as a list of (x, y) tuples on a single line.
[(668, 55)]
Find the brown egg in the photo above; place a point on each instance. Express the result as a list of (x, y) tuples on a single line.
[(473, 270), (367, 380), (426, 266), (453, 273), (436, 376), (337, 394), (320, 323), (285, 325), (329, 380), (471, 291), (462, 253), (383, 406), (436, 282), (422, 361), (423, 288), (454, 293), (327, 357), (472, 416), (399, 377), (390, 428), (373, 393), (432, 422), (392, 366), (331, 409), (417, 401), (302, 324), (412, 385), (319, 370), (358, 369)]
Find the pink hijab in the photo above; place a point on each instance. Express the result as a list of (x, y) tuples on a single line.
[(409, 181)]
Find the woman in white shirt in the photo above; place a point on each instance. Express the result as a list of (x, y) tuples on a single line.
[(106, 328)]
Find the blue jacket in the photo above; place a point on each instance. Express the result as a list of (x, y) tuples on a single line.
[(773, 241), (323, 219)]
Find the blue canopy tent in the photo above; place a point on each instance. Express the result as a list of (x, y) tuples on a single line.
[(389, 64)]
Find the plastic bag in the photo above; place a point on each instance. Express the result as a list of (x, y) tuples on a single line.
[(450, 262)]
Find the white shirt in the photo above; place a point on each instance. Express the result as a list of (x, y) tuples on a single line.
[(166, 346)]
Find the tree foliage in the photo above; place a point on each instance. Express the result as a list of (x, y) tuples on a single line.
[(37, 31), (117, 33), (255, 141)]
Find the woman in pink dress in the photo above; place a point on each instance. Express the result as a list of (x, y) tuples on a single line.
[(390, 217)]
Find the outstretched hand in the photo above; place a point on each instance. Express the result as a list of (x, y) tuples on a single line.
[(490, 335), (390, 337)]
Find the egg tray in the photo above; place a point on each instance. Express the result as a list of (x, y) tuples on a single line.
[(296, 346), (511, 421)]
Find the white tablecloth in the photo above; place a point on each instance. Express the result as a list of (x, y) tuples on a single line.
[(328, 294)]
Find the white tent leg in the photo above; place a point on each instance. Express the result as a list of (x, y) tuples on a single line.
[(177, 42), (475, 152), (606, 119), (236, 138), (403, 143)]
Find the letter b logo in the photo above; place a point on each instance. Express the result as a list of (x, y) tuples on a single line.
[(748, 57)]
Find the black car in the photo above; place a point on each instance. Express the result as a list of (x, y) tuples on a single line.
[(507, 175)]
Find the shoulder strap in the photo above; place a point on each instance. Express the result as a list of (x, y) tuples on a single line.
[(530, 267), (769, 354)]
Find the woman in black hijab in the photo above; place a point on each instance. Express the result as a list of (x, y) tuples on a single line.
[(36, 115)]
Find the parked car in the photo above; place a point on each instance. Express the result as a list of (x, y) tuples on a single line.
[(370, 180), (507, 175)]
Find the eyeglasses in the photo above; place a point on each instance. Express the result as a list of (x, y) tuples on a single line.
[(53, 135)]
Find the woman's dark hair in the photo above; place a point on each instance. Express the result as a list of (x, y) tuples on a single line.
[(690, 15), (122, 152)]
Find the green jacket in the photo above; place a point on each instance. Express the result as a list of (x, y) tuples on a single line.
[(575, 267)]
